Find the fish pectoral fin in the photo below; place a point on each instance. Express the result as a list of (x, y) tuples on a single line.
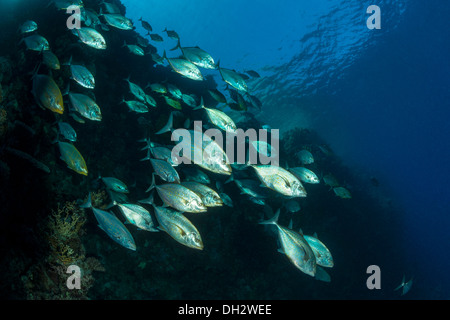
[(281, 251)]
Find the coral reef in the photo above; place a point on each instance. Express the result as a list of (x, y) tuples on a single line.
[(48, 279)]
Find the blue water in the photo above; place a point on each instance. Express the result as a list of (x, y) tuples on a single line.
[(379, 97)]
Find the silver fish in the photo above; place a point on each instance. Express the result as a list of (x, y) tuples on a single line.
[(178, 227), (137, 215), (87, 107), (226, 199), (136, 106), (212, 157), (305, 157), (150, 100), (179, 197), (217, 95), (145, 25), (91, 37), (233, 79), (136, 90), (174, 91), (118, 21), (36, 42), (113, 227), (220, 118), (115, 184), (189, 100), (50, 60), (196, 175), (28, 26), (321, 252), (305, 175), (197, 56), (280, 180), (295, 247), (165, 170), (251, 188), (82, 76), (172, 34), (264, 148), (155, 37), (184, 67), (209, 196), (342, 192), (330, 180), (67, 131), (135, 49)]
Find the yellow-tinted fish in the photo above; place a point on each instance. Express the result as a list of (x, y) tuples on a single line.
[(173, 103), (47, 94), (73, 158)]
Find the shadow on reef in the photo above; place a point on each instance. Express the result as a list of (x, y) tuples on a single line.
[(43, 230)]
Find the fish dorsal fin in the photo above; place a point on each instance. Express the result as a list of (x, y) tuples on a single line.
[(290, 224), (315, 235), (300, 231)]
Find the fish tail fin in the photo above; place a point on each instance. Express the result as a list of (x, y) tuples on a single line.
[(402, 284), (147, 157), (148, 143), (148, 200), (273, 220), (201, 105), (128, 78), (88, 203), (112, 204), (169, 125), (152, 185), (178, 46)]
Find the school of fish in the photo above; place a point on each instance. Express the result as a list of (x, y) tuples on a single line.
[(180, 188)]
